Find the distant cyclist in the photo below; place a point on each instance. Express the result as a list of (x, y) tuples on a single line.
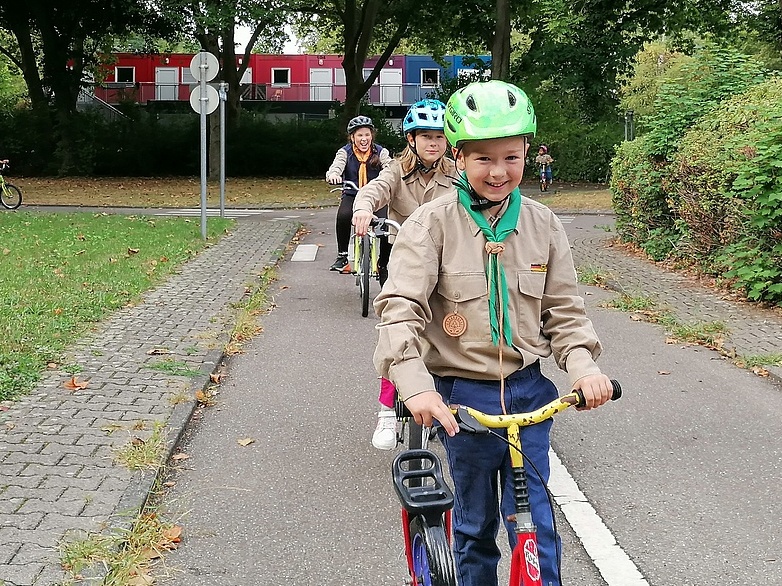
[(359, 161), (419, 174), (544, 158)]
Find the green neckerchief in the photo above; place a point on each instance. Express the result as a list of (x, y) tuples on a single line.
[(505, 226)]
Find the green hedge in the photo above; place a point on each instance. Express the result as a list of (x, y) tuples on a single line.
[(704, 185), (169, 144)]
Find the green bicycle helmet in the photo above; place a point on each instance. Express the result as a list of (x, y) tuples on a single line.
[(488, 109)]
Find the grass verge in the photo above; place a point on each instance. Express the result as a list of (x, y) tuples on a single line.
[(61, 273), (246, 324), (127, 555)]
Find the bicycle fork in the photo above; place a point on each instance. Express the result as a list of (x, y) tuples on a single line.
[(525, 564)]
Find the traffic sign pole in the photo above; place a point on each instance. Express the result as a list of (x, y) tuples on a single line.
[(204, 67), (203, 99)]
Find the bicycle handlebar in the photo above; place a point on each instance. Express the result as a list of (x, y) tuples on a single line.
[(345, 185), (474, 421)]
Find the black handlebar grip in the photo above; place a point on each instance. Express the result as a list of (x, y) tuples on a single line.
[(617, 390), (616, 394)]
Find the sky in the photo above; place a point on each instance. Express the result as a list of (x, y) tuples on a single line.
[(243, 33)]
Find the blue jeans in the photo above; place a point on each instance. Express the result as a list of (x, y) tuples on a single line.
[(480, 467)]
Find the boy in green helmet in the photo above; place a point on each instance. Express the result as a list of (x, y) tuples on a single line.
[(482, 286)]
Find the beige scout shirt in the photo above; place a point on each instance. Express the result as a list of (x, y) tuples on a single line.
[(341, 160), (403, 196), (437, 267)]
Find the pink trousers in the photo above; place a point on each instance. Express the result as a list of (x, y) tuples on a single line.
[(387, 393)]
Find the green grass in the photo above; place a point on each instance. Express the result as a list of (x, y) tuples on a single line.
[(61, 273), (174, 367)]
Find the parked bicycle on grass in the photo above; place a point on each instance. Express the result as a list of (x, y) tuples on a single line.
[(481, 288), (10, 195)]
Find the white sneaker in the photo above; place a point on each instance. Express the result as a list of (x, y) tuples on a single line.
[(384, 437)]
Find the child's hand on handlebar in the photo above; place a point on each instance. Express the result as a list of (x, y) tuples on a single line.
[(428, 406), (596, 388), (333, 179), (361, 221)]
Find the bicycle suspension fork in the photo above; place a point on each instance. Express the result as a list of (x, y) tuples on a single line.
[(525, 565)]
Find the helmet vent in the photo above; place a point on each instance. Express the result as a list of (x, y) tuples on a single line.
[(511, 99), (471, 103)]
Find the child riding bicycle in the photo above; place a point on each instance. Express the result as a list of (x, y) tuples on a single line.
[(419, 174), (543, 161), (481, 287), (359, 162)]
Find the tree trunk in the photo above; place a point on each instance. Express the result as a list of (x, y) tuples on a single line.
[(500, 49)]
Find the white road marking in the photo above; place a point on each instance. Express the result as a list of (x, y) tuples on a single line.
[(305, 252), (566, 219), (612, 562), (229, 212)]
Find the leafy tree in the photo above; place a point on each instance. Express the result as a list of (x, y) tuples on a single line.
[(56, 45), (585, 46)]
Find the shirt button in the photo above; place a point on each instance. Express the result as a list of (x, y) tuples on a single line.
[(456, 295)]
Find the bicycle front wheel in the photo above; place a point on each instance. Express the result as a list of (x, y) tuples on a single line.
[(10, 196), (432, 556), (366, 266)]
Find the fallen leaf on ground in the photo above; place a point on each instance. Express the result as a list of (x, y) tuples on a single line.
[(74, 384), (245, 441), (760, 371), (179, 457), (216, 377), (157, 351), (133, 250), (663, 372)]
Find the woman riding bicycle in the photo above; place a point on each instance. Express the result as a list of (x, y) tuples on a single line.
[(419, 174), (359, 162), (481, 287)]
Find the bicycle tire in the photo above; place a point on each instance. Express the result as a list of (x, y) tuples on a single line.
[(433, 563), (10, 196), (365, 268)]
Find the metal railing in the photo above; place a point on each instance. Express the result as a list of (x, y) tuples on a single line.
[(379, 94)]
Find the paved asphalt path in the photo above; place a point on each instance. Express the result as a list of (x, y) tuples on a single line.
[(684, 470)]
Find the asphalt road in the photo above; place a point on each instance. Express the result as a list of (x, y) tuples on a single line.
[(684, 470)]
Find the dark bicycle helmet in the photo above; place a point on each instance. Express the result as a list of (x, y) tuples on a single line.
[(360, 122), (424, 115)]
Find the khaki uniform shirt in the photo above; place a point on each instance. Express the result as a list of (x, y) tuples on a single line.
[(403, 196), (437, 267), (543, 159)]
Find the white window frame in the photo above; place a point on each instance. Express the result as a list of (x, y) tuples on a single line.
[(132, 70), (283, 84), (428, 70), (366, 71)]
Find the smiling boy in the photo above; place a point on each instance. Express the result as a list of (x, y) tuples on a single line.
[(482, 287)]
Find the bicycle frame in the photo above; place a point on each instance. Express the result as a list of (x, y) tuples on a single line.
[(525, 564), (423, 493)]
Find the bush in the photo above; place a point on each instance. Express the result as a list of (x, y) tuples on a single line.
[(642, 213)]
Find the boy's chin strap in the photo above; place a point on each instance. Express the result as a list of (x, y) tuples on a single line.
[(478, 203)]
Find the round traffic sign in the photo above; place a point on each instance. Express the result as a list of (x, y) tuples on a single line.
[(210, 103), (204, 64)]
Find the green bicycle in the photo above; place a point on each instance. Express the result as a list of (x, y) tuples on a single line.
[(366, 253), (10, 195)]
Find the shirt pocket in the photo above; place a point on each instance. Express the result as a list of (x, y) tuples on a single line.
[(466, 294), (531, 285)]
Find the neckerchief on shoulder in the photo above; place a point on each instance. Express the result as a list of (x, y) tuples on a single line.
[(362, 168), (495, 274)]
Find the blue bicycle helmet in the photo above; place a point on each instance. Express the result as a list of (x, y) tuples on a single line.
[(424, 115)]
